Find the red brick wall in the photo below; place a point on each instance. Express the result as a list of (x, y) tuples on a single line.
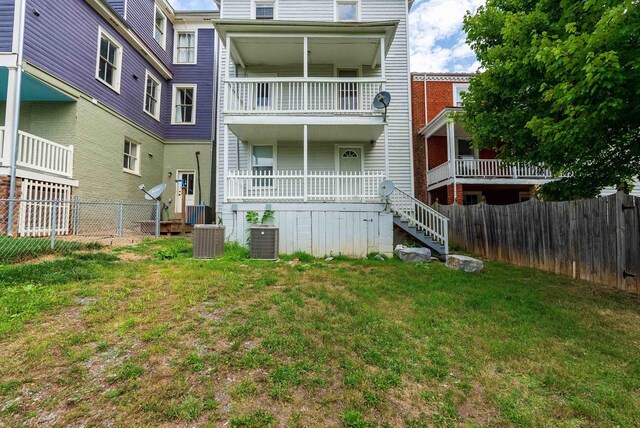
[(419, 156), (437, 151), (5, 185), (439, 97)]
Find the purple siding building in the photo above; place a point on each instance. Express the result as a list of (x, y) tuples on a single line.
[(118, 57)]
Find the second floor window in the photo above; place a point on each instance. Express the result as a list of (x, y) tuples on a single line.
[(152, 96), (186, 47), (347, 10), (458, 90), (160, 27), (265, 9), (184, 105), (109, 61)]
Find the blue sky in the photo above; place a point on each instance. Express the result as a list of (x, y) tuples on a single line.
[(435, 27)]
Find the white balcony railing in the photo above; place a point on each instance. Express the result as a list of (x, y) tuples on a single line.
[(44, 155), (287, 95), (486, 168), (294, 186)]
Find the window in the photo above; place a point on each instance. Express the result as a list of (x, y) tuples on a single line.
[(160, 27), (152, 93), (108, 69), (184, 105), (347, 10), (458, 90), (131, 162), (264, 9), (263, 164), (465, 150), (186, 47), (471, 198)]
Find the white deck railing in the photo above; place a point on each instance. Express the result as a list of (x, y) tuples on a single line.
[(42, 155), (288, 95), (286, 186), (486, 168), (423, 217)]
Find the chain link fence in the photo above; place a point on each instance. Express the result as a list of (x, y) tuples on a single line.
[(43, 226)]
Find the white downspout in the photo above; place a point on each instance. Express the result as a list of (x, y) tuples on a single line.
[(18, 46)]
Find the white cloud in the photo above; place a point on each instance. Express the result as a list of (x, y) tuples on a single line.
[(193, 4), (437, 41)]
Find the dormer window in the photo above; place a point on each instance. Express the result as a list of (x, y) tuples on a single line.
[(160, 27), (264, 9), (347, 10)]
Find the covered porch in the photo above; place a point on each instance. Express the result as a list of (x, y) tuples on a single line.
[(44, 109), (305, 163)]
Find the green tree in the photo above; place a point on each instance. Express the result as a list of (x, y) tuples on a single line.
[(560, 86)]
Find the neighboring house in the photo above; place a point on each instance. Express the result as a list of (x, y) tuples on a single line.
[(447, 168), (298, 132), (114, 94)]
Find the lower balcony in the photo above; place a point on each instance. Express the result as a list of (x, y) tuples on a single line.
[(39, 155), (295, 186), (487, 171)]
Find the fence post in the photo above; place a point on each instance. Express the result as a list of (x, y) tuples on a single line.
[(76, 215), (54, 218), (120, 218), (620, 240), (158, 218)]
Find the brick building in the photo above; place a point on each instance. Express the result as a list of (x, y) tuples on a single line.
[(446, 167)]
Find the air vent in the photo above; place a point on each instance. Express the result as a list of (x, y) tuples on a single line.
[(208, 241), (265, 241)]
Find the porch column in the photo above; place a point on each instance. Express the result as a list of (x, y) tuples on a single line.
[(451, 154), (306, 73), (383, 68), (10, 116), (306, 162), (225, 156)]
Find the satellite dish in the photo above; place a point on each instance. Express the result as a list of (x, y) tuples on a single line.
[(155, 193), (386, 188), (382, 101)]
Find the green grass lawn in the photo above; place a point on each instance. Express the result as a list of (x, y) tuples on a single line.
[(16, 249), (147, 336)]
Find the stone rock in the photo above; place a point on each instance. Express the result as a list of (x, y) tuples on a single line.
[(413, 255), (464, 263), (379, 257), (328, 259)]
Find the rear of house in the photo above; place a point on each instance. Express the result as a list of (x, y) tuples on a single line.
[(447, 168), (114, 94), (298, 131)]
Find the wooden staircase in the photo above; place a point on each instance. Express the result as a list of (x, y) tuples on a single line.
[(422, 222)]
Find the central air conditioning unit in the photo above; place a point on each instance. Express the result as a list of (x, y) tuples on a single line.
[(208, 241), (264, 242)]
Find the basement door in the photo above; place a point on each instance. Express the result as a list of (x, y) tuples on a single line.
[(190, 178)]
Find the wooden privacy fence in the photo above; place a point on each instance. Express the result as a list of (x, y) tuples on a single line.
[(596, 240)]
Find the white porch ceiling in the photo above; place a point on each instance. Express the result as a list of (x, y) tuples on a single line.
[(317, 133)]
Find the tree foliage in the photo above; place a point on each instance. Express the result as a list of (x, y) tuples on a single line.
[(560, 86)]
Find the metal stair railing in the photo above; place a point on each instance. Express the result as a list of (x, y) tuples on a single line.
[(423, 217)]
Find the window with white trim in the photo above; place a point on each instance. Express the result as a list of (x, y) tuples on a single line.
[(186, 50), (347, 10), (263, 164), (152, 93), (184, 105), (109, 61), (264, 9), (131, 161), (160, 27), (458, 90)]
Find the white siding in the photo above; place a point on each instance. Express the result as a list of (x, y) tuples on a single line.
[(397, 73), (328, 229)]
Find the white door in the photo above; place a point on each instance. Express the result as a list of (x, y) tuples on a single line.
[(348, 91), (349, 167), (189, 176)]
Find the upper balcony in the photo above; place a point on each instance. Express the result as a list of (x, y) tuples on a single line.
[(289, 73)]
